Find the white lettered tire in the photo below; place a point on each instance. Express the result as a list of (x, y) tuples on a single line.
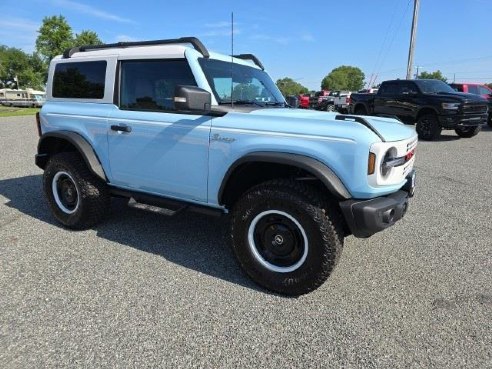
[(78, 199)]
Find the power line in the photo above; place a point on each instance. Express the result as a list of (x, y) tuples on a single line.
[(393, 38), (384, 42), (451, 62)]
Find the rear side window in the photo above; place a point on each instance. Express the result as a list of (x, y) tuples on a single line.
[(149, 84), (484, 91), (407, 88), (472, 89), (389, 89), (80, 80), (458, 88)]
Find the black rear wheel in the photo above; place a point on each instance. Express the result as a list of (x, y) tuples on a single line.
[(77, 197), (360, 110), (467, 132), (286, 236)]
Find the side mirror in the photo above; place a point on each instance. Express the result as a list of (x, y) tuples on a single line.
[(192, 98), (293, 101)]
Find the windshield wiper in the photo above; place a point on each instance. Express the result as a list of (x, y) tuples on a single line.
[(275, 103), (241, 102)]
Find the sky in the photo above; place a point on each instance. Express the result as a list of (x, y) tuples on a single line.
[(303, 40)]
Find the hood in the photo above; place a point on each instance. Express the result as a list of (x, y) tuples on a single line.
[(388, 128), (462, 96)]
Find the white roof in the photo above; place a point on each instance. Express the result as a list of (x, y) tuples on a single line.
[(150, 52), (168, 51)]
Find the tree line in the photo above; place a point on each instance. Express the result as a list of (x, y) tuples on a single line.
[(19, 69), (344, 78)]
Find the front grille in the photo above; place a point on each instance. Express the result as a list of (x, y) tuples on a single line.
[(411, 145), (475, 109)]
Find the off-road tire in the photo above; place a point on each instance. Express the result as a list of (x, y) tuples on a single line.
[(489, 120), (428, 127), (467, 132), (320, 219), (360, 110), (93, 195), (330, 107)]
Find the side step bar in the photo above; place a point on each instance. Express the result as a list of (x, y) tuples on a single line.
[(152, 208), (162, 205)]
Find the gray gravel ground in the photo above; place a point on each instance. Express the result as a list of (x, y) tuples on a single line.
[(143, 290)]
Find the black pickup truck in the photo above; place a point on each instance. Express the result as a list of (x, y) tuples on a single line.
[(433, 104)]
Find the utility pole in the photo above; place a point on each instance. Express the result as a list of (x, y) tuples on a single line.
[(413, 36)]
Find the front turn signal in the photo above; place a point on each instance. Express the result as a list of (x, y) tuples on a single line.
[(371, 165)]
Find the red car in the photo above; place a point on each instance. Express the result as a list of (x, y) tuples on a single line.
[(304, 101), (476, 89)]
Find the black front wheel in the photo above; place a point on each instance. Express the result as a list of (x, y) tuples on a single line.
[(489, 121), (286, 236), (330, 107), (467, 132), (428, 127)]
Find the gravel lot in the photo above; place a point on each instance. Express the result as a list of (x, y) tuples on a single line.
[(152, 291)]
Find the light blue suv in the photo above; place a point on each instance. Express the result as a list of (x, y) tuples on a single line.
[(170, 126)]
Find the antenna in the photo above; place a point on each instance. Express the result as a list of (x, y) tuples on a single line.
[(232, 53)]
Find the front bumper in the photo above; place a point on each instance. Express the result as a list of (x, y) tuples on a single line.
[(367, 217), (454, 121)]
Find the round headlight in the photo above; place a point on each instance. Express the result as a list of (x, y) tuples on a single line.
[(386, 169)]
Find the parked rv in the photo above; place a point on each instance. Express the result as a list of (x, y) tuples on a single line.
[(22, 98)]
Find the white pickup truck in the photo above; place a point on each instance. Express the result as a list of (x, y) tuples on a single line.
[(342, 101)]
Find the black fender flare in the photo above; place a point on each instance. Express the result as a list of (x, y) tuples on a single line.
[(313, 166), (426, 108), (80, 143)]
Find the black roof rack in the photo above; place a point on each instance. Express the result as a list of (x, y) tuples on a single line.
[(197, 44), (250, 57)]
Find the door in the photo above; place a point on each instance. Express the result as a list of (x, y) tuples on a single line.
[(152, 147), (408, 101), (385, 100)]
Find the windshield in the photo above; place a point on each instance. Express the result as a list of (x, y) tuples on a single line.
[(433, 86), (247, 84)]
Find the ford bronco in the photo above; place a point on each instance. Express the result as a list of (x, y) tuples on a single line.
[(169, 125)]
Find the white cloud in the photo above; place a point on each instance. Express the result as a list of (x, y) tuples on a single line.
[(125, 38), (220, 33), (19, 32), (268, 38), (223, 24), (90, 10), (307, 37)]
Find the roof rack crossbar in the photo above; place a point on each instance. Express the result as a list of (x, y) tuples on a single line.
[(196, 43), (251, 57)]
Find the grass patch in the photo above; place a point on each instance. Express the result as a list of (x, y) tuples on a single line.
[(6, 111)]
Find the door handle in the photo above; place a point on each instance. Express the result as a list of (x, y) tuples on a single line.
[(121, 128)]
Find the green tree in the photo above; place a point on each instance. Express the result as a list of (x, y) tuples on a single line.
[(86, 37), (245, 91), (55, 35), (433, 75), (489, 84), (289, 87), (16, 64), (344, 77)]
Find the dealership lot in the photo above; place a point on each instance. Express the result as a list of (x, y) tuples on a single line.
[(147, 290)]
